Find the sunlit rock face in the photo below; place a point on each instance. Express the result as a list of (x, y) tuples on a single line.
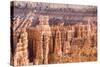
[(39, 38), (44, 25), (21, 50), (45, 36)]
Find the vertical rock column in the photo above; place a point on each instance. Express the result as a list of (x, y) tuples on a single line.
[(25, 46), (21, 53), (37, 46), (57, 47), (66, 47), (45, 33), (79, 31), (45, 49)]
